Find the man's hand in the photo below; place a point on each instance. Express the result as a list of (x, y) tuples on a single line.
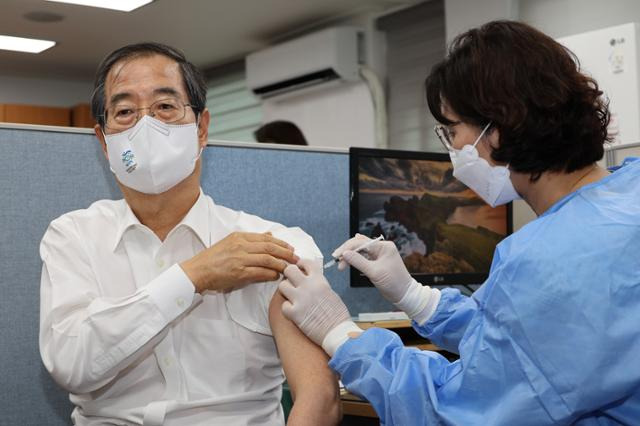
[(239, 259)]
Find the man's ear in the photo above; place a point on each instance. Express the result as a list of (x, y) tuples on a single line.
[(203, 128), (100, 135)]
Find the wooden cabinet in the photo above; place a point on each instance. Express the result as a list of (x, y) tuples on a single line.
[(81, 116), (77, 116), (32, 114)]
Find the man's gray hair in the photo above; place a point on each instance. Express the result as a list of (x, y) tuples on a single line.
[(192, 77)]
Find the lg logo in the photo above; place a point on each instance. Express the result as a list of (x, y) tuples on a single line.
[(615, 41)]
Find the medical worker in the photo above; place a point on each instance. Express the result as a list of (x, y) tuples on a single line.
[(553, 335)]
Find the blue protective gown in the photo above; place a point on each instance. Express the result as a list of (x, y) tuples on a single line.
[(552, 336)]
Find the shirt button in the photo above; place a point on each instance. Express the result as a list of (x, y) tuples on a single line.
[(160, 263), (167, 361), (180, 302)]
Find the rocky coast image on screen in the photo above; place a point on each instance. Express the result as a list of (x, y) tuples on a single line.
[(437, 223)]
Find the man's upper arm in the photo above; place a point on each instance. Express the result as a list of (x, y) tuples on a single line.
[(305, 364)]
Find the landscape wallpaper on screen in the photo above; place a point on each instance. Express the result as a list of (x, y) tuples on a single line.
[(439, 225)]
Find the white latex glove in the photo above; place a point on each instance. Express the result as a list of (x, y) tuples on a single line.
[(314, 307), (386, 270)]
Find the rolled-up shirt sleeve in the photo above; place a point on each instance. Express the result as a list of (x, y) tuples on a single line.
[(86, 339)]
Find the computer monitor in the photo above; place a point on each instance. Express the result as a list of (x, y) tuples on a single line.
[(445, 233)]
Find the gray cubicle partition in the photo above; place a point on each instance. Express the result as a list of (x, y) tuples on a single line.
[(45, 172)]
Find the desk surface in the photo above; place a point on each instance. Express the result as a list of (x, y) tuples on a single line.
[(416, 342), (354, 406), (391, 324)]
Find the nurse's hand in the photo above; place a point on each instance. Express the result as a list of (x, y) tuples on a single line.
[(239, 259), (386, 270), (384, 267), (314, 307)]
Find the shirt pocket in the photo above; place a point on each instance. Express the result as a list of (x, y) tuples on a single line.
[(213, 358)]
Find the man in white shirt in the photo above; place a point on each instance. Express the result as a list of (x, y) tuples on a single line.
[(162, 309)]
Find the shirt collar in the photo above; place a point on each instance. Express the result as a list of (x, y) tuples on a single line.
[(126, 219), (197, 219)]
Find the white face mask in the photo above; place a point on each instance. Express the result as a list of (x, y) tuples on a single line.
[(152, 157), (491, 183)]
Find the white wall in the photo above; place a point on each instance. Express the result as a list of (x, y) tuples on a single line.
[(559, 18), (45, 92), (462, 15), (334, 115)]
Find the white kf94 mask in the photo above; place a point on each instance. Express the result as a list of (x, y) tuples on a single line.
[(491, 183), (152, 157)]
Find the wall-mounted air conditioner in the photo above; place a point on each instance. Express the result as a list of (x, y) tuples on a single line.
[(323, 56)]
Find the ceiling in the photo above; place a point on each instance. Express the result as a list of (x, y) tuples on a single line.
[(210, 32)]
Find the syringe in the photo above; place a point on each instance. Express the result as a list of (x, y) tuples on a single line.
[(364, 246)]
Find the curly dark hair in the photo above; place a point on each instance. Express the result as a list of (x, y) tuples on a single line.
[(193, 79), (551, 117)]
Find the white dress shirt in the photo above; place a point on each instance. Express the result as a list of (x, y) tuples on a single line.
[(123, 330)]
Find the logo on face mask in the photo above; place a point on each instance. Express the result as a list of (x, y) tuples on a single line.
[(129, 161)]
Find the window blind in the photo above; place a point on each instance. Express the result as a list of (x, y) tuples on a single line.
[(235, 112)]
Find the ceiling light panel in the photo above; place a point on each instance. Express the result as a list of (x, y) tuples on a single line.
[(122, 5), (20, 44)]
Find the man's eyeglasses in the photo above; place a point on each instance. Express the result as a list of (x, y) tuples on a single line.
[(124, 115)]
